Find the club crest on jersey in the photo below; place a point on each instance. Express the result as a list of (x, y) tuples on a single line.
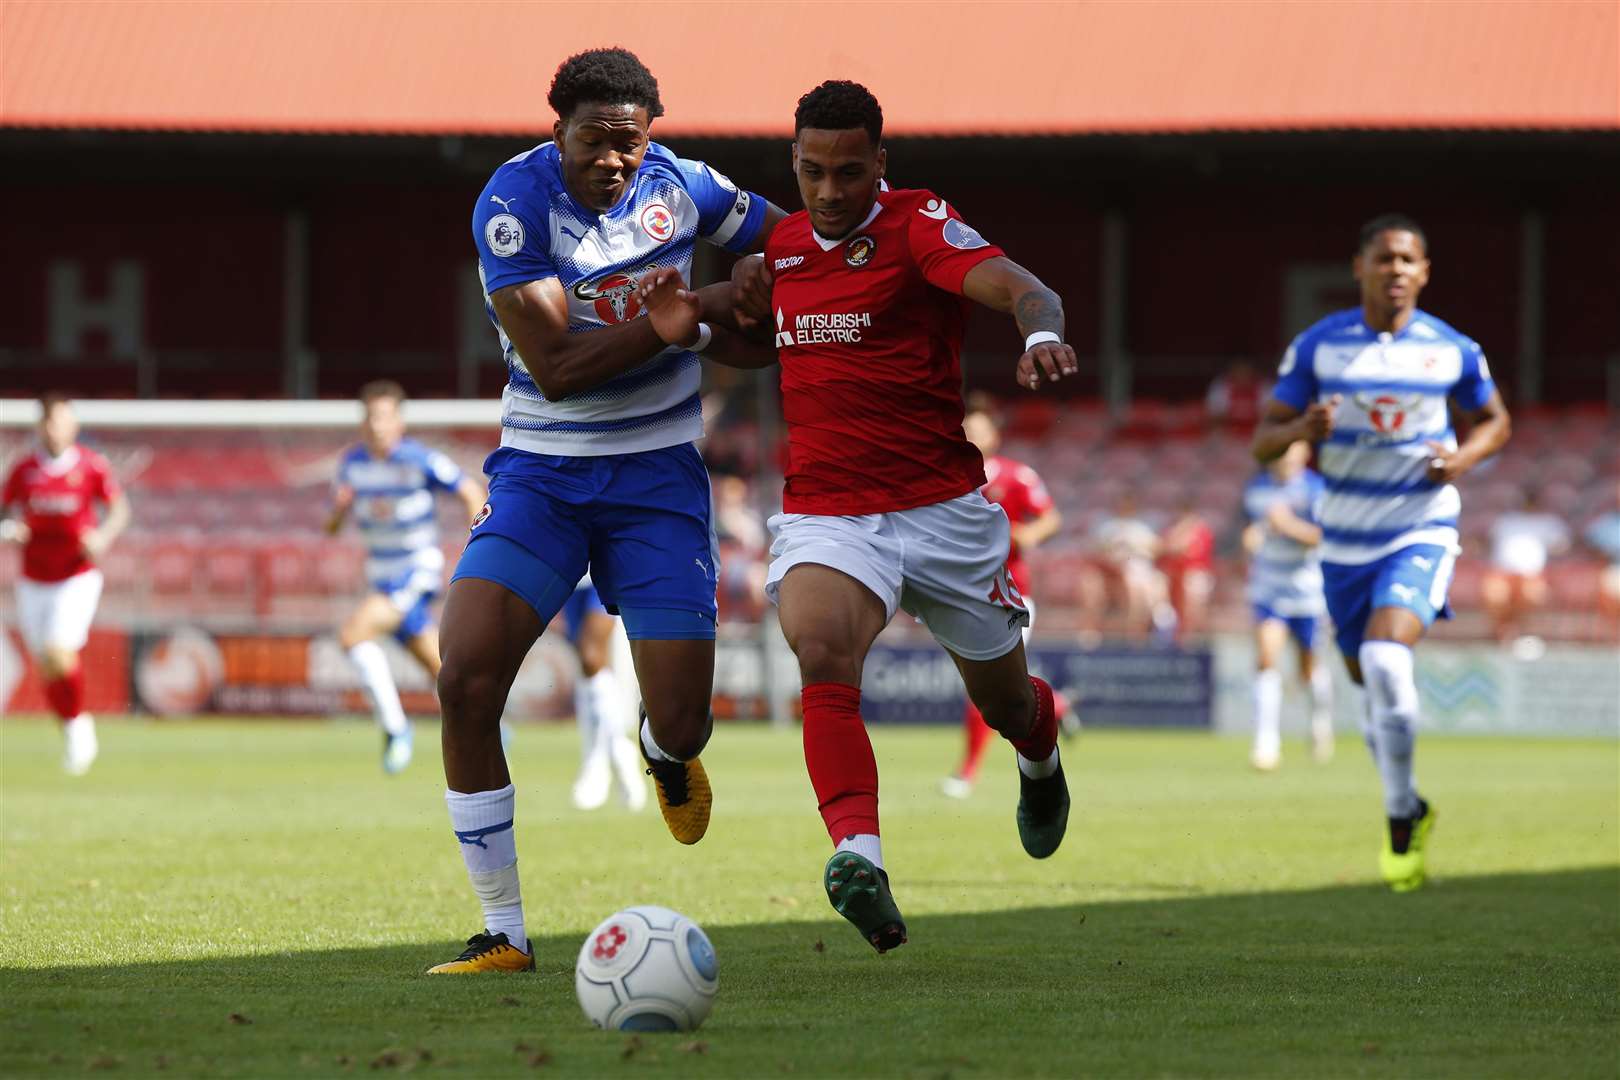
[(613, 297), (657, 222), (859, 251), (504, 235), (482, 516), (1387, 412)]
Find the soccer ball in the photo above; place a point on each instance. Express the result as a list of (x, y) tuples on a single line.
[(647, 969)]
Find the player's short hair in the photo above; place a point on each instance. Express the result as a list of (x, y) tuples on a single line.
[(606, 76), (980, 402), (382, 388), (838, 105), (52, 399), (1393, 220)]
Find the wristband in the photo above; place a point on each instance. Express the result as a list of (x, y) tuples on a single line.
[(705, 335), (1040, 337)]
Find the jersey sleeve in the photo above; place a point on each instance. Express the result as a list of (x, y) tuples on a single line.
[(1296, 375), (728, 216), (13, 491), (1255, 501), (944, 246), (1037, 500), (103, 484), (509, 231), (1475, 387), (442, 473)]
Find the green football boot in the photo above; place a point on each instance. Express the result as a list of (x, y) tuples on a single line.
[(1404, 871), (860, 893)]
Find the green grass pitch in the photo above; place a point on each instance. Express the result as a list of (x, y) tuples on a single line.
[(256, 899)]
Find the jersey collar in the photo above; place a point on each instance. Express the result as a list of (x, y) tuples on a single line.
[(59, 465), (828, 245)]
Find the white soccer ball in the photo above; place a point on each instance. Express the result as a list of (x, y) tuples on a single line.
[(647, 968)]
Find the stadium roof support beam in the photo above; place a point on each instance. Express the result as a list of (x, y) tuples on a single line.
[(298, 361), (1114, 363)]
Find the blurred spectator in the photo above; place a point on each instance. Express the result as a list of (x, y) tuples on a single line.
[(1236, 398), (1604, 535), (1521, 542), (1187, 556), (1125, 577), (743, 544)]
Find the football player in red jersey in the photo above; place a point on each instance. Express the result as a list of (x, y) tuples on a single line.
[(53, 492), (1034, 519), (868, 291)]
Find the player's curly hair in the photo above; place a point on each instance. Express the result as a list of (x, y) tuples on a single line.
[(605, 76), (1393, 220), (838, 105)]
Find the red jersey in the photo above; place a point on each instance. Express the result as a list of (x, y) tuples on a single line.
[(1018, 490), (869, 332), (58, 503)]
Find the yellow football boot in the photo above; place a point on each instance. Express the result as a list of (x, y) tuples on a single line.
[(487, 952), (1405, 871), (683, 791)]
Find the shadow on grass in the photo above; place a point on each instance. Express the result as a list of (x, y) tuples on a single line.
[(1504, 975)]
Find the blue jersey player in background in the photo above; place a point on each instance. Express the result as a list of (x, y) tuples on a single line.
[(1373, 388), (388, 483), (596, 468), (1285, 592)]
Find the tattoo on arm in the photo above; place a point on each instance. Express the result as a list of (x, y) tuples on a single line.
[(1039, 309)]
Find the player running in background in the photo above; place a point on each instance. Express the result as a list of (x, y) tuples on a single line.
[(604, 703), (596, 468), (1372, 388), (1285, 592), (1033, 519), (388, 482), (53, 493), (868, 291)]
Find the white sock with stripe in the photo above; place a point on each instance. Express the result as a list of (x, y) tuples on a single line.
[(482, 822), (372, 664)]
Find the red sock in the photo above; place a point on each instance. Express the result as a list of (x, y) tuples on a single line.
[(66, 694), (978, 734), (1042, 738), (838, 754)]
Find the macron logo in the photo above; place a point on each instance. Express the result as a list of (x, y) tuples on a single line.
[(790, 261)]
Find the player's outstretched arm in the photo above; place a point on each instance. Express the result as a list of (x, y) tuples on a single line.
[(1003, 285), (1284, 522), (96, 541), (535, 318), (1283, 425), (1490, 427), (680, 316), (342, 502), (472, 495), (1029, 535)]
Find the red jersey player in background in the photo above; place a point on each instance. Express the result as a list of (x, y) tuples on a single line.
[(867, 289), (54, 491), (1033, 520)]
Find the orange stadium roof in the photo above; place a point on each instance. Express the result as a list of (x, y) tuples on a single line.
[(344, 66)]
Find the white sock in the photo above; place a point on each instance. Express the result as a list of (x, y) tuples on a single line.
[(867, 845), (1321, 696), (483, 825), (1267, 711), (651, 747), (1386, 666), (1037, 770), (372, 664), (607, 706), (587, 717)]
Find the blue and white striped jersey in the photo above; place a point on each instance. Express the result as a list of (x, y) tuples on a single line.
[(527, 228), (393, 506), (1395, 389), (1285, 575)]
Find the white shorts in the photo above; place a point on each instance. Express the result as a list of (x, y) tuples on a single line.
[(945, 563), (57, 614)]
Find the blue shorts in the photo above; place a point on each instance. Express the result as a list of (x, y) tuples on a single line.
[(579, 606), (1416, 578), (1302, 628), (640, 523), (418, 617)]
